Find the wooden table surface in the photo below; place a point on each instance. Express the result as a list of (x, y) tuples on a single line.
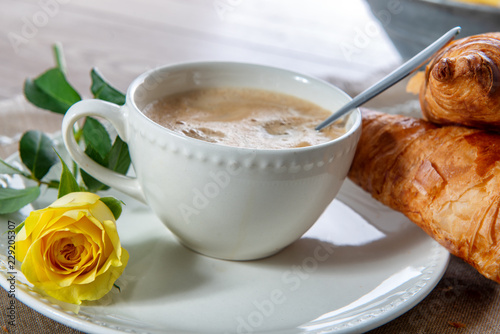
[(337, 41)]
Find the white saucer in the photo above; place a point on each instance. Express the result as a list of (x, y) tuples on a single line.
[(360, 266)]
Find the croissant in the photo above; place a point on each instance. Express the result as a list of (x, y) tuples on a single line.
[(444, 179), (461, 84)]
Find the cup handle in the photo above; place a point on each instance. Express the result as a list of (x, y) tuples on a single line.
[(115, 115)]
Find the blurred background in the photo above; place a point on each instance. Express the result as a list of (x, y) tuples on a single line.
[(342, 42), (419, 22), (351, 43)]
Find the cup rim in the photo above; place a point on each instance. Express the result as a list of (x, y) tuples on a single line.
[(141, 78)]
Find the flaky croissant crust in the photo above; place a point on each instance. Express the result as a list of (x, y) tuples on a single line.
[(445, 179), (462, 83)]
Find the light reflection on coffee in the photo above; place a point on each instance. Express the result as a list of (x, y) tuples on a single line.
[(243, 117)]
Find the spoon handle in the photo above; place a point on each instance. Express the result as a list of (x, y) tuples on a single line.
[(394, 77)]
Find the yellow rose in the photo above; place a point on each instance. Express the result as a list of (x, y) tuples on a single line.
[(71, 249)]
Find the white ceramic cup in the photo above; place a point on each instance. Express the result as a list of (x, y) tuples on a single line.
[(222, 201)]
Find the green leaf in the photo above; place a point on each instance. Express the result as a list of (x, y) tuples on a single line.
[(36, 153), (19, 227), (5, 168), (11, 200), (36, 96), (53, 184), (93, 185), (118, 158), (95, 135), (51, 91), (68, 182), (115, 205), (53, 82), (103, 90), (59, 57)]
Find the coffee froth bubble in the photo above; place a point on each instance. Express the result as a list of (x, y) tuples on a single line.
[(243, 117)]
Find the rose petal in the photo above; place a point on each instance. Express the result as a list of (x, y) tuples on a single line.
[(75, 199), (35, 222), (112, 234), (59, 223), (71, 249), (23, 243), (76, 293), (101, 212), (54, 269), (33, 266)]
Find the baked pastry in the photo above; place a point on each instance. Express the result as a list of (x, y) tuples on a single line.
[(461, 84), (444, 179), (483, 2)]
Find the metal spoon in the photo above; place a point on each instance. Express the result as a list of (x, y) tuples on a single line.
[(394, 77)]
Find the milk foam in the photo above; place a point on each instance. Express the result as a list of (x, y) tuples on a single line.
[(243, 117)]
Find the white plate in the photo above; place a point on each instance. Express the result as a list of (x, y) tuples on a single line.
[(360, 266)]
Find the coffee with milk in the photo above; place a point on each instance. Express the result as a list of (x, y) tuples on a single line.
[(243, 117)]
